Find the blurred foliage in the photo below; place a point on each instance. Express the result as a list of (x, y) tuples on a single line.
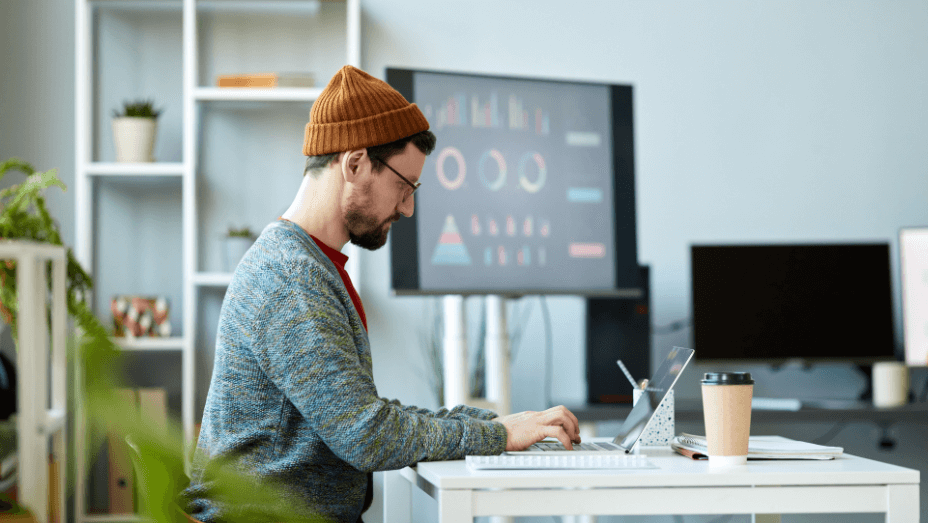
[(24, 216), (137, 109), (158, 451), (244, 232)]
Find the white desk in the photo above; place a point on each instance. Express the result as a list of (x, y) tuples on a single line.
[(849, 484)]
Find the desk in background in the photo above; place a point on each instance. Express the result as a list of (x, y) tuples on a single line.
[(811, 410)]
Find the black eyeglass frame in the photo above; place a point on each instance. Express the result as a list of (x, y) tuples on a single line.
[(414, 186)]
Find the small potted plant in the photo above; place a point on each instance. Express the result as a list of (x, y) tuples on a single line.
[(134, 131), (238, 241)]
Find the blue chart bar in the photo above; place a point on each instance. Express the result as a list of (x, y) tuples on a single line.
[(584, 195)]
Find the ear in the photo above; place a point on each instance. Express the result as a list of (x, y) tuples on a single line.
[(355, 164)]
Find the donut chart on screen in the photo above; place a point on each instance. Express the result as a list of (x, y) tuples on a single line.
[(539, 183), (456, 155), (489, 158)]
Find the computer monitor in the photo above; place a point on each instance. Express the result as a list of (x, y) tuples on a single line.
[(809, 302), (531, 189), (913, 264)]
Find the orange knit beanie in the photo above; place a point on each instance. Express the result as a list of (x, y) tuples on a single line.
[(356, 111)]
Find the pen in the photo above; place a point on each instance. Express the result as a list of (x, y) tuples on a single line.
[(627, 374)]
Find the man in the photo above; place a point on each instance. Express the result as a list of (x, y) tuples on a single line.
[(292, 398)]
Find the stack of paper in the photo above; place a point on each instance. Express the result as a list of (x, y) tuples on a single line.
[(759, 447)]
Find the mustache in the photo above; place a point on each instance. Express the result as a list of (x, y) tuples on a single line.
[(396, 217)]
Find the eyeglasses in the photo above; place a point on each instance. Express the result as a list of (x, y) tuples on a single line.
[(413, 186)]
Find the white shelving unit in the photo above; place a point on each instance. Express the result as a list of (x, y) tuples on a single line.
[(204, 33), (42, 404)]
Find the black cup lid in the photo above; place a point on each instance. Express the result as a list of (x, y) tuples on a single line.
[(727, 378)]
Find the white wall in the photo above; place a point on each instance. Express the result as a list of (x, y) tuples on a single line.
[(755, 121), (36, 93)]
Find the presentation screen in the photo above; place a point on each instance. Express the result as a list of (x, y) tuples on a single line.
[(530, 189)]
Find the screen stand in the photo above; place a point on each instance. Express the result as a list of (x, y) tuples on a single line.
[(497, 355), (454, 360), (456, 387)]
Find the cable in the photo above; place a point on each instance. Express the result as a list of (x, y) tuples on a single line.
[(549, 351), (523, 311), (832, 432), (479, 372)]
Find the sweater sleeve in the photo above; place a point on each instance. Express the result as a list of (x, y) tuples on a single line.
[(304, 342), (458, 412)]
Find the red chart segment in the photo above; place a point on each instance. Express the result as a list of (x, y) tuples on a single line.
[(587, 250)]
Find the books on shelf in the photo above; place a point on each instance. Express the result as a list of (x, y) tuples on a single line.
[(266, 80), (759, 448)]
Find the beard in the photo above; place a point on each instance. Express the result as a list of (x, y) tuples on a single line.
[(366, 231)]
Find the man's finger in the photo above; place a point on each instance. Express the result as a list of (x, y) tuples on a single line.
[(557, 431), (561, 416), (575, 420)]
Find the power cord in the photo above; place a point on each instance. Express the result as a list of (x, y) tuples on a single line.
[(522, 310), (832, 432)]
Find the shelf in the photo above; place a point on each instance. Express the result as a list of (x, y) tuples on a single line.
[(111, 518), (154, 225), (138, 5), (165, 169), (247, 94), (241, 6), (150, 344), (261, 6), (212, 279)]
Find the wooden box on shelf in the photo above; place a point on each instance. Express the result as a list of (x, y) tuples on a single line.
[(266, 80)]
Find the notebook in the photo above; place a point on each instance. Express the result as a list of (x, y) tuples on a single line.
[(759, 447), (637, 420)]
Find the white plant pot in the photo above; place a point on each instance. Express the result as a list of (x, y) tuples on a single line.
[(134, 138), (236, 246)]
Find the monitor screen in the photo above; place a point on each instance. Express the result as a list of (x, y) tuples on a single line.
[(783, 302), (530, 189)]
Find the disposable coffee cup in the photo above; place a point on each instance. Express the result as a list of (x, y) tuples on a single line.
[(726, 406)]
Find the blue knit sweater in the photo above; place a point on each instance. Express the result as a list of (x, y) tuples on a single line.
[(292, 397)]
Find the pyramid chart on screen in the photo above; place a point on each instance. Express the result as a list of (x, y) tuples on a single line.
[(450, 249)]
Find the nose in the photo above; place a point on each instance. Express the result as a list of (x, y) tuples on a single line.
[(408, 207)]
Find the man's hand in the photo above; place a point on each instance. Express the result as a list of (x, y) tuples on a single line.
[(526, 428)]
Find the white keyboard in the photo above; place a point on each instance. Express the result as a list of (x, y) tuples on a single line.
[(776, 404), (559, 461)]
